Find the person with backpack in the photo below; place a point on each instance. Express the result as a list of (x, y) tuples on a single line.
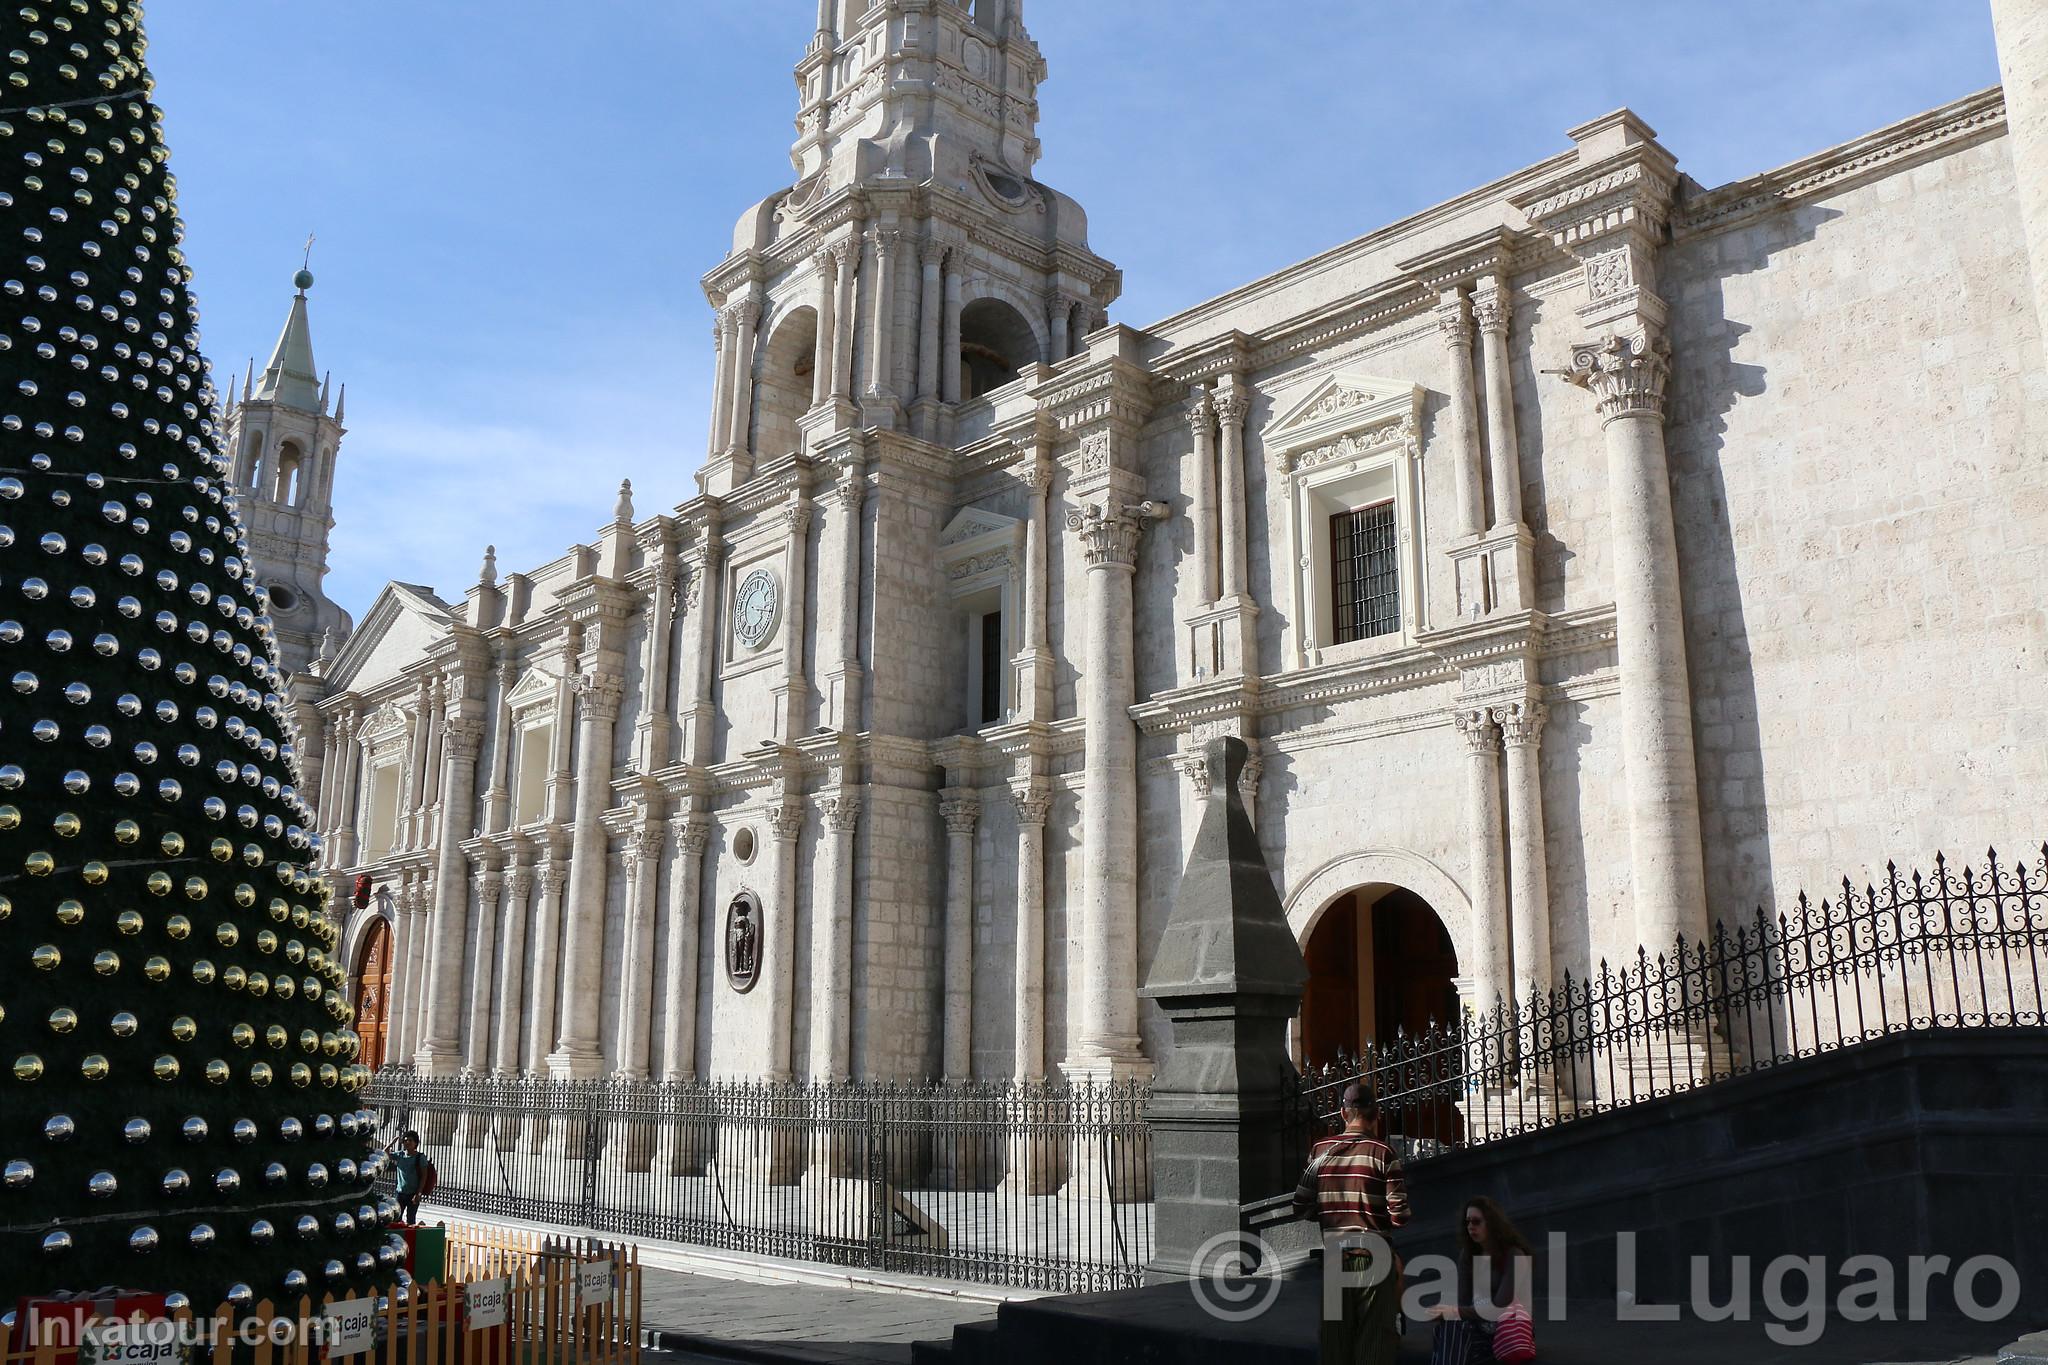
[(415, 1172), (1354, 1184)]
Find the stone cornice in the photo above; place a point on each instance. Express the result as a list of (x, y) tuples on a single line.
[(1491, 251), (1887, 151), (1438, 660)]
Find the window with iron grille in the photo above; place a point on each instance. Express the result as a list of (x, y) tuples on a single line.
[(1365, 577)]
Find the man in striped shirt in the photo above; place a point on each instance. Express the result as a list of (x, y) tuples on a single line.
[(1354, 1185)]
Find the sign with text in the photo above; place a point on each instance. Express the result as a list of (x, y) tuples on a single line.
[(349, 1327), (593, 1283), (151, 1342), (486, 1301)]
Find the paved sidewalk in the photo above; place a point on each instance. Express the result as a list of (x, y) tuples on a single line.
[(737, 1320)]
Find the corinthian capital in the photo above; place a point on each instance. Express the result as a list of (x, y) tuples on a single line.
[(1626, 373), (843, 252), (1231, 408), (601, 694), (1491, 311), (1454, 323), (960, 812), (1202, 412), (1476, 725), (747, 311), (462, 736), (1110, 535), (1521, 722)]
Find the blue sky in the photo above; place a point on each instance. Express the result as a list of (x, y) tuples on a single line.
[(514, 199)]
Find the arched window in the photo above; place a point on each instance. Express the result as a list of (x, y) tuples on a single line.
[(289, 461), (786, 384), (995, 344)]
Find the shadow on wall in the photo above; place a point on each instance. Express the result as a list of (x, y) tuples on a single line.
[(1707, 384)]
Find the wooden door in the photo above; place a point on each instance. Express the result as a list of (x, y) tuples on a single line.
[(373, 992)]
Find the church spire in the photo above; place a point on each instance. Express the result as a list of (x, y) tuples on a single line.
[(289, 380)]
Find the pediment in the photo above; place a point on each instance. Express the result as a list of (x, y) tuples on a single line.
[(1346, 402), (401, 626), (535, 689), (973, 523), (385, 720)]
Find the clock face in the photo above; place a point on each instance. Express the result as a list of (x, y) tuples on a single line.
[(754, 608)]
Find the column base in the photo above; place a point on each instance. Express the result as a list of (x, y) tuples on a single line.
[(925, 414), (882, 410), (840, 704), (1108, 1166), (1495, 571), (826, 419), (724, 472), (576, 1062), (1222, 638), (1032, 672)]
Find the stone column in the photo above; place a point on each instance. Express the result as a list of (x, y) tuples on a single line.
[(1504, 461), (1231, 407), (498, 795), (355, 756), (651, 734), (721, 385), (1108, 1033), (960, 809), (1033, 803), (703, 601), (634, 1044), (542, 995), (679, 962), (842, 317), (1482, 831), (931, 300), (578, 1052), (786, 824), (437, 733), (1521, 728), (881, 372), (1035, 677), (1057, 311), (1460, 416), (739, 431), (2022, 30), (512, 954), (821, 363), (1628, 375), (1202, 507), (414, 795), (323, 794), (476, 1042), (832, 937), (451, 898), (949, 344)]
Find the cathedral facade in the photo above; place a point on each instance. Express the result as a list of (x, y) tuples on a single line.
[(1584, 559)]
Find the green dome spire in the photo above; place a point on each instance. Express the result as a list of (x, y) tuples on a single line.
[(177, 1066)]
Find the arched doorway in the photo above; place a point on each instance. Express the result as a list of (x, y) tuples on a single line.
[(1380, 962), (996, 343), (372, 991)]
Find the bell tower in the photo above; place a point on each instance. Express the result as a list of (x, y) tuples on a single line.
[(915, 264), (283, 440)]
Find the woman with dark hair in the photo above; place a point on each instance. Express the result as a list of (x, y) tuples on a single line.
[(1495, 1269)]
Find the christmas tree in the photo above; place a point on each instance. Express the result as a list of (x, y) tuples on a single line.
[(177, 1066)]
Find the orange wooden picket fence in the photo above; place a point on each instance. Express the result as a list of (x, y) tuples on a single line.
[(546, 1322)]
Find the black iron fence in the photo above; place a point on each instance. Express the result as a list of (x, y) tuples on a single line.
[(1038, 1185), (1959, 949)]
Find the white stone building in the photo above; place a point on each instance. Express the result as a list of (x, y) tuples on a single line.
[(1586, 557)]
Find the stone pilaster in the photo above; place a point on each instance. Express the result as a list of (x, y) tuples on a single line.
[(843, 252), (739, 430), (1232, 406), (476, 1038), (679, 963), (884, 407), (1521, 726), (949, 345), (832, 936), (461, 736), (1034, 664), (1033, 803), (1505, 571), (404, 978), (1107, 1036), (498, 792), (723, 331), (634, 1043), (652, 732), (1202, 506), (961, 810), (841, 704), (792, 689), (578, 1052), (702, 602), (551, 881), (785, 824), (827, 306), (512, 955), (1489, 969)]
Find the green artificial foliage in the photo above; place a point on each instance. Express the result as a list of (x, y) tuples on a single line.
[(177, 1065)]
